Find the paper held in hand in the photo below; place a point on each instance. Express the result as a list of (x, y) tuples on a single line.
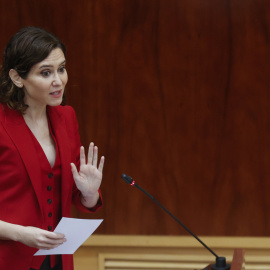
[(76, 232)]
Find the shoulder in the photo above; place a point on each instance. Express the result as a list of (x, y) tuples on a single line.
[(63, 110), (10, 115), (66, 112), (62, 114)]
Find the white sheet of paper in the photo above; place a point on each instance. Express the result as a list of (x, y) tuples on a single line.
[(76, 232)]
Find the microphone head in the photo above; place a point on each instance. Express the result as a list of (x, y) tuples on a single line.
[(127, 179)]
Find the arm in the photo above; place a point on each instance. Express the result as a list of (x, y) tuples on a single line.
[(88, 179), (30, 236)]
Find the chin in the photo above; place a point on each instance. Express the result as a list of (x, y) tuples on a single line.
[(55, 102)]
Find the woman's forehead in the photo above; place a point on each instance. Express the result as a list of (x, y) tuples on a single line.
[(55, 58)]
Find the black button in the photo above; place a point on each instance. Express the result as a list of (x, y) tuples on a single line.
[(50, 214), (50, 175), (49, 201), (49, 188), (49, 228)]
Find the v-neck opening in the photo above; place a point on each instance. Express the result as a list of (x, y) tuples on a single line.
[(42, 151)]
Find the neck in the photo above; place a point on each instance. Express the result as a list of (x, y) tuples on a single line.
[(35, 114)]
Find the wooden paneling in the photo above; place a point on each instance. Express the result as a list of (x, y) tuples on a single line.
[(176, 94), (165, 252)]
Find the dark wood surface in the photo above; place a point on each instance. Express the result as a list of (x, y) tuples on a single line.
[(176, 94)]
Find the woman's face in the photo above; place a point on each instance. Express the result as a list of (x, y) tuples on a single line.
[(46, 81)]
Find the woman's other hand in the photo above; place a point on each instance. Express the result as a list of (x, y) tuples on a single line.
[(38, 238)]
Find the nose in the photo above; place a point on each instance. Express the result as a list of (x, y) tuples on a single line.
[(56, 79)]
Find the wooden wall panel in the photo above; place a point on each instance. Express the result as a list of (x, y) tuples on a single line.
[(176, 94)]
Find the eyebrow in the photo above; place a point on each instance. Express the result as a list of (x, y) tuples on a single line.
[(46, 66)]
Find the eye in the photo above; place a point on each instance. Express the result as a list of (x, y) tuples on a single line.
[(62, 69), (45, 73)]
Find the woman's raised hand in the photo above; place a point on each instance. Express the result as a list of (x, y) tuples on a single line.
[(88, 179)]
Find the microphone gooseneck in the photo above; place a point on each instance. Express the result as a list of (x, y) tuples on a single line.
[(220, 261)]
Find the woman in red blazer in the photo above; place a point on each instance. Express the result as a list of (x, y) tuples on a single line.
[(43, 167)]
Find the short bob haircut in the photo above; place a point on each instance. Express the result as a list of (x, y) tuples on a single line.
[(26, 48)]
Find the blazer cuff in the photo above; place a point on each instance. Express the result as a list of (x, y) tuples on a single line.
[(82, 208)]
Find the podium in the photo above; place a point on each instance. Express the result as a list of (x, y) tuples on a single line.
[(238, 261), (103, 252)]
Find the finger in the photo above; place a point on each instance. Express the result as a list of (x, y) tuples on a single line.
[(74, 171), (58, 241), (49, 245), (101, 164), (53, 235), (90, 153), (52, 242), (51, 238), (82, 156), (95, 159)]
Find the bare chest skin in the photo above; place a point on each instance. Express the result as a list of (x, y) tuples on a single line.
[(41, 132)]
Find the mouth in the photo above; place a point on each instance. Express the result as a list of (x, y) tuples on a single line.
[(56, 93)]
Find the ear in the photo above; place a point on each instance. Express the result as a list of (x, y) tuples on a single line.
[(15, 77)]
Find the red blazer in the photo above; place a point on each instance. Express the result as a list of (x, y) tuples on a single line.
[(20, 188)]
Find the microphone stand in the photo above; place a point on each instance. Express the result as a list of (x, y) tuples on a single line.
[(220, 261)]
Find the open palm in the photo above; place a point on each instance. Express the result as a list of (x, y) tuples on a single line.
[(88, 179)]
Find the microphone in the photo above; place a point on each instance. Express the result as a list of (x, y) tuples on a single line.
[(220, 261)]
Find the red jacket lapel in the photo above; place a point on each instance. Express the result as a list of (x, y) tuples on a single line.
[(19, 133)]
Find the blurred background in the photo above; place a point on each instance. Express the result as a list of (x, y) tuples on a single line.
[(176, 94)]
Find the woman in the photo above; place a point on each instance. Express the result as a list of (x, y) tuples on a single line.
[(43, 167)]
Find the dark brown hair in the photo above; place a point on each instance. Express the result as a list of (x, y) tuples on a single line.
[(26, 48)]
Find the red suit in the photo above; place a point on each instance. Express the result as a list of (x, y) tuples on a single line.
[(20, 174)]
